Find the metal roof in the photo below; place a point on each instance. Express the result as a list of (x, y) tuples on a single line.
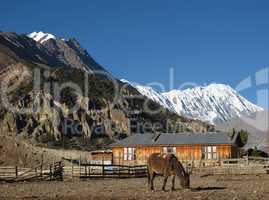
[(176, 139)]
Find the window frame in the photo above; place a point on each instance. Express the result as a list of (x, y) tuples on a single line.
[(129, 153), (209, 152), (173, 148)]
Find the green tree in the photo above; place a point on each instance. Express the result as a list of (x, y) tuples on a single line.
[(241, 136)]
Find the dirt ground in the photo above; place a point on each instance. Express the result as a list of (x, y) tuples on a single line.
[(205, 187)]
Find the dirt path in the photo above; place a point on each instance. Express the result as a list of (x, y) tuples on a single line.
[(211, 187)]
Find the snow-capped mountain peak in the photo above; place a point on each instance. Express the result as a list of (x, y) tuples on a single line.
[(212, 103), (40, 36)]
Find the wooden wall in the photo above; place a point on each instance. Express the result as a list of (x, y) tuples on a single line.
[(189, 152), (102, 156), (224, 151), (183, 152), (142, 153)]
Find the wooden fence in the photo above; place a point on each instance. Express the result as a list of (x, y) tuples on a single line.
[(13, 173), (105, 171), (237, 166), (246, 161), (57, 171), (245, 165)]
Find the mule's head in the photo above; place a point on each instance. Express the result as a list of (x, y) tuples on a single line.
[(186, 181)]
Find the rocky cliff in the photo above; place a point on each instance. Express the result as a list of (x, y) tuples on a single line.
[(54, 94)]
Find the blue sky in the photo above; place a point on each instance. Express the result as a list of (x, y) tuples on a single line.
[(204, 41)]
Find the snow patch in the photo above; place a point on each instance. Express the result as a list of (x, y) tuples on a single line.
[(41, 37)]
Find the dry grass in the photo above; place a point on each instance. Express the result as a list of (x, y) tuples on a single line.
[(210, 187)]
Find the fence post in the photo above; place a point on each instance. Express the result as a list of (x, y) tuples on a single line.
[(247, 160), (61, 171), (16, 171), (50, 172), (119, 170), (41, 166), (79, 164), (72, 168)]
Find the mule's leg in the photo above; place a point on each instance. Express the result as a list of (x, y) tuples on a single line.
[(151, 179), (173, 183), (148, 173), (164, 182)]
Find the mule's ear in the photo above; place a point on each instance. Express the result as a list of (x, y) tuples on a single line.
[(190, 171)]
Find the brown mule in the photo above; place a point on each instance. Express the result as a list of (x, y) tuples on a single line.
[(167, 165)]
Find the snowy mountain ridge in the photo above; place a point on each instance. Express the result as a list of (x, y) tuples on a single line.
[(213, 103), (153, 95), (41, 37)]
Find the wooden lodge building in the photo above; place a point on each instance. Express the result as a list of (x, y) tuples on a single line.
[(135, 149)]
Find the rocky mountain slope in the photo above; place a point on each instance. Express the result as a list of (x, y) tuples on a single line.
[(257, 124), (48, 50), (214, 103), (99, 117)]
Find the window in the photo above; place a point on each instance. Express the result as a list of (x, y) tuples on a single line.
[(209, 152), (214, 150), (172, 150), (129, 154)]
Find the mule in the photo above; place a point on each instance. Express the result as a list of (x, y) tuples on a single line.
[(167, 165)]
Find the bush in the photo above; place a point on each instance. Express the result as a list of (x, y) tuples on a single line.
[(255, 152)]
